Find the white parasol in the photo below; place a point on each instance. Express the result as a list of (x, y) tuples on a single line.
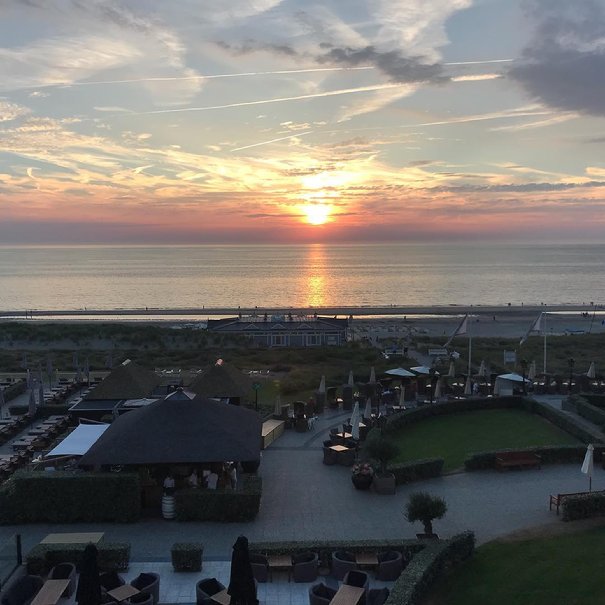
[(588, 464), (355, 421)]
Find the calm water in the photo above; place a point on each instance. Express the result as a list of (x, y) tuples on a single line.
[(315, 274)]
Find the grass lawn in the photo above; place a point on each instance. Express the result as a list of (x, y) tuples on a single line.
[(454, 436), (565, 569)]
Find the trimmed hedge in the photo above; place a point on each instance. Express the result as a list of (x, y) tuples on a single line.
[(187, 556), (550, 454), (112, 556), (428, 566), (43, 411), (14, 390), (416, 470), (325, 548), (566, 423), (594, 399), (584, 506), (220, 504), (68, 497), (585, 409)]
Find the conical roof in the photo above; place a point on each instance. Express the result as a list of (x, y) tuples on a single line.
[(222, 380), (128, 381), (179, 430)]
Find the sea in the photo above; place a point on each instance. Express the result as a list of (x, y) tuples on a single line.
[(179, 277)]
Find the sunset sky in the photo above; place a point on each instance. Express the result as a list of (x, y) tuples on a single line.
[(194, 121)]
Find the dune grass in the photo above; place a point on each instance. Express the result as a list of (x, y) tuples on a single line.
[(453, 437), (561, 569)]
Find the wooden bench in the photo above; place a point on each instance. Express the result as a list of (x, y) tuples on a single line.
[(517, 460), (557, 499), (272, 429)]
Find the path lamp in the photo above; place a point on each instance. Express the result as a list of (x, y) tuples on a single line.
[(572, 363), (523, 372)]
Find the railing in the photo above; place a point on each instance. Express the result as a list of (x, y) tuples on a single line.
[(10, 557)]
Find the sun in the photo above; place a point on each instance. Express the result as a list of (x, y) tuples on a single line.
[(316, 214)]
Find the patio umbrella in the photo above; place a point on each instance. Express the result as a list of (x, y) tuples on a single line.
[(28, 379), (400, 373), (588, 464), (75, 361), (2, 402), (49, 370), (87, 372), (351, 381), (467, 387), (242, 587), (368, 411), (322, 385), (355, 421), (591, 371), (452, 371), (24, 361), (372, 375), (277, 410), (41, 394), (437, 393), (89, 583), (531, 375), (78, 377), (32, 404), (482, 369), (402, 396)]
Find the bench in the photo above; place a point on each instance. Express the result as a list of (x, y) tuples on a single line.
[(517, 460), (271, 430), (557, 499)]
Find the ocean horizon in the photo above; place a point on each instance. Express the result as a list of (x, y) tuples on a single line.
[(74, 277)]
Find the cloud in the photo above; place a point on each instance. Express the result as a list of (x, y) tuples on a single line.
[(11, 111), (563, 66)]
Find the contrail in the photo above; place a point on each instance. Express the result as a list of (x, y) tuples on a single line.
[(300, 134), (330, 93)]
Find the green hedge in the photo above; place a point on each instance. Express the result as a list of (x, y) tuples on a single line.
[(16, 389), (550, 454), (187, 556), (112, 556), (584, 506), (566, 423), (416, 470), (428, 566), (325, 548), (220, 504), (68, 497), (584, 408), (43, 411), (595, 399)]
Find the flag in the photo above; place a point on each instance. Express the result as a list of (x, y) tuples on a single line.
[(535, 327), (461, 329)]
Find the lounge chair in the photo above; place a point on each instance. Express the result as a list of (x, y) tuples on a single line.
[(390, 565), (305, 567), (342, 562), (359, 579)]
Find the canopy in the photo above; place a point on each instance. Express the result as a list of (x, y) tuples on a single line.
[(79, 441), (513, 377), (423, 370), (179, 430), (401, 372)]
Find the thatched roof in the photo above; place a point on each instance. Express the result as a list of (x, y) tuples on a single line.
[(222, 380), (127, 381), (179, 430)]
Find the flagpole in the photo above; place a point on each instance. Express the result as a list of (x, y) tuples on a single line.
[(544, 328), (470, 347)]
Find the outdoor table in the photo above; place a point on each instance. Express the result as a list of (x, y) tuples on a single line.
[(280, 563), (347, 595), (73, 538), (339, 448), (222, 597), (121, 593), (37, 431), (51, 592), (366, 559)]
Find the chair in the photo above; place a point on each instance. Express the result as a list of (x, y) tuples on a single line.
[(260, 567), (148, 583), (342, 562), (143, 598), (305, 567), (329, 456), (320, 594), (204, 590), (110, 580), (377, 596), (346, 457), (390, 565), (359, 579), (22, 591), (64, 571)]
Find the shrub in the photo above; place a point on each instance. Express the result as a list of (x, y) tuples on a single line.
[(187, 556), (66, 497), (112, 556), (584, 506), (416, 470), (424, 508), (220, 504), (380, 448), (587, 410)]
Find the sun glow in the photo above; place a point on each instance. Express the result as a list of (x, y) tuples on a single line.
[(317, 214)]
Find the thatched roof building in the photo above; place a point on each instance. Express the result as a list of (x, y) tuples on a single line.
[(128, 381), (223, 381)]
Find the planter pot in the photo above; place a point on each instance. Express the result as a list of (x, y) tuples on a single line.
[(384, 484), (362, 481), (168, 511)]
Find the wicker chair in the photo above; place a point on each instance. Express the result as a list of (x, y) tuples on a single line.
[(22, 591), (143, 598), (305, 567), (148, 583), (377, 596), (64, 571), (342, 562), (329, 456), (359, 579), (390, 566), (320, 594), (110, 580), (260, 567), (204, 590)]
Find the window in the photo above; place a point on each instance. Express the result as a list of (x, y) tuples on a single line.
[(279, 340), (313, 340)]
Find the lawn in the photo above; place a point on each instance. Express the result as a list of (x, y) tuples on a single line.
[(565, 569), (454, 436)]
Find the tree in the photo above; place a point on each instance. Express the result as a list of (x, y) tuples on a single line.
[(380, 448), (424, 507)]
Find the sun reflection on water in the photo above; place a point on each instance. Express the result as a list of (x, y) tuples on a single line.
[(316, 276)]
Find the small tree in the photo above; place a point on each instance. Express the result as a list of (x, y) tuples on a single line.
[(380, 448), (424, 507)]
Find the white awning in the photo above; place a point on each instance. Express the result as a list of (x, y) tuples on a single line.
[(79, 441), (513, 377)]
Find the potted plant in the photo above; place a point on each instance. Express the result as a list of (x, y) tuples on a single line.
[(362, 475), (424, 508), (383, 450)]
